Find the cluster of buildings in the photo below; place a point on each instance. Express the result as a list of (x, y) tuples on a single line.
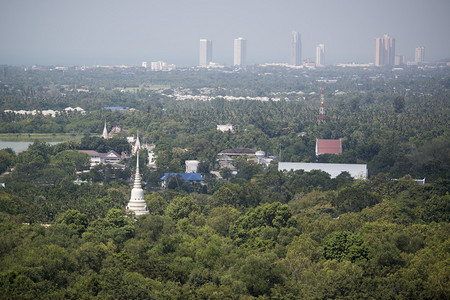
[(48, 112), (384, 53), (226, 158), (240, 52), (158, 66)]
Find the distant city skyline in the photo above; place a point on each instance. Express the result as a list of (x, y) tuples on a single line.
[(101, 32)]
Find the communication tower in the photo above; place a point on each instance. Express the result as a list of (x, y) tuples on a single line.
[(322, 107)]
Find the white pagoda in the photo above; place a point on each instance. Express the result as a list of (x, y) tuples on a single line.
[(137, 202), (105, 134)]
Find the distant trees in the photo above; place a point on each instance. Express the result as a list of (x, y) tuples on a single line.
[(71, 161), (7, 157), (185, 246), (399, 104), (345, 246), (101, 145), (354, 198)]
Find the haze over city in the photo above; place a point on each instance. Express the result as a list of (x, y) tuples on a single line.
[(81, 32)]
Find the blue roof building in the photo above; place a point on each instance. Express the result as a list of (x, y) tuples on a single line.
[(189, 177)]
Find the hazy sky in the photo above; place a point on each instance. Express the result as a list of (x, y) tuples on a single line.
[(76, 32)]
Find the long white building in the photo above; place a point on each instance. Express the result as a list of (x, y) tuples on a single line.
[(357, 171)]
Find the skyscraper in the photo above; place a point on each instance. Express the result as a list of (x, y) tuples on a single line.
[(400, 60), (205, 52), (240, 49), (320, 55), (419, 56), (296, 49), (385, 51)]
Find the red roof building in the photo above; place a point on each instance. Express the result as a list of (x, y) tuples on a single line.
[(328, 146)]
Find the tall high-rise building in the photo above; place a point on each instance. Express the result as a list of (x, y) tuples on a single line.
[(240, 49), (296, 49), (385, 51), (400, 60), (205, 52), (419, 55), (320, 55)]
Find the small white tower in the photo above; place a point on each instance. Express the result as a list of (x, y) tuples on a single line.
[(260, 155), (105, 132), (137, 203)]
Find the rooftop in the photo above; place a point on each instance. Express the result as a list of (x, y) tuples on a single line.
[(184, 176), (328, 146), (238, 151)]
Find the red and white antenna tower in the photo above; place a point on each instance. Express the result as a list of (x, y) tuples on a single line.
[(322, 107)]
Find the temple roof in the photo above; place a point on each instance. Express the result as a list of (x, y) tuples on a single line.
[(324, 146)]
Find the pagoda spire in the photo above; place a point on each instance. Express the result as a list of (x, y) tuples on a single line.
[(137, 177), (105, 132), (137, 145)]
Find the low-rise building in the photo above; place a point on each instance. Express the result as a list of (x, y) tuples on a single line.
[(225, 128), (189, 177), (112, 157)]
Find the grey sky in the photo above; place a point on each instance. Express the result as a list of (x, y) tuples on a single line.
[(74, 32)]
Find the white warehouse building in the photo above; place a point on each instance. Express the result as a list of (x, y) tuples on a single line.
[(357, 171)]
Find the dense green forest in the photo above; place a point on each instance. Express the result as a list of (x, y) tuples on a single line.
[(261, 233)]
